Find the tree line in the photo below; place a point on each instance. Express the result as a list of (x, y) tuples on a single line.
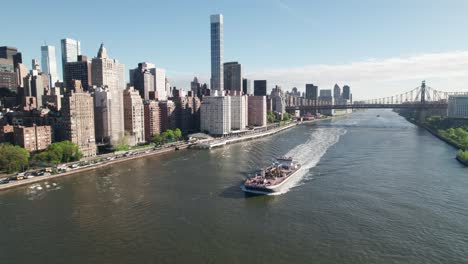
[(15, 158)]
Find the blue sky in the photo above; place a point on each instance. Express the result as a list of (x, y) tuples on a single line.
[(287, 42)]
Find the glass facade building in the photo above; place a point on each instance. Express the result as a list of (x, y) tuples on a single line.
[(217, 52)]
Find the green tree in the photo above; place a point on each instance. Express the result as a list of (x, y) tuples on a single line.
[(168, 135), (177, 134), (13, 158), (59, 152), (157, 139), (463, 154), (287, 116), (271, 117)]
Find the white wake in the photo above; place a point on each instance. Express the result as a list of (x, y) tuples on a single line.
[(309, 153)]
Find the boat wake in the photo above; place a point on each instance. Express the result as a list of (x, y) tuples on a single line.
[(309, 153)]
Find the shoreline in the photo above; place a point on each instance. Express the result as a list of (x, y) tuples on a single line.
[(440, 137), (20, 183), (15, 184)]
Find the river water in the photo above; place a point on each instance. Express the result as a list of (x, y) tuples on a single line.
[(372, 190)]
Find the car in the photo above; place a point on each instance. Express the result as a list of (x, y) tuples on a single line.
[(4, 181)]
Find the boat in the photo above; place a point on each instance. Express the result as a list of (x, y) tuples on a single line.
[(377, 115), (272, 178)]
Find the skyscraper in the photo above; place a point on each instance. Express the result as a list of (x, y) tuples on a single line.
[(78, 70), (49, 64), (143, 78), (311, 91), (217, 52), (233, 76), (247, 86), (346, 92), (336, 92), (109, 74), (260, 87), (70, 50)]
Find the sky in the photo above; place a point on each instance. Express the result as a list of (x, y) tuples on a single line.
[(378, 47)]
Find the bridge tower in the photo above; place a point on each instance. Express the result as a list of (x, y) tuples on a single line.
[(423, 92), (421, 113)]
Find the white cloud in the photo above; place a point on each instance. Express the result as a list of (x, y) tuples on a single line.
[(378, 77), (373, 78)]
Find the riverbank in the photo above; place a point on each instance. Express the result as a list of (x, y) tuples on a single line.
[(18, 183), (462, 161), (436, 133)]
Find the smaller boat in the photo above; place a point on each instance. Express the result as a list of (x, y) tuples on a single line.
[(377, 115)]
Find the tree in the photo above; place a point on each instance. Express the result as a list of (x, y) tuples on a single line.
[(287, 116), (177, 134), (64, 151), (271, 117), (157, 139), (168, 135), (13, 158)]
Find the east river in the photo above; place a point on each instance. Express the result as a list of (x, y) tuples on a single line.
[(372, 190)]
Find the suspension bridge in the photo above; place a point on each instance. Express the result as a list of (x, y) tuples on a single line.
[(421, 97)]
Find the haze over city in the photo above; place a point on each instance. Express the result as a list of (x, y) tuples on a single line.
[(378, 48)]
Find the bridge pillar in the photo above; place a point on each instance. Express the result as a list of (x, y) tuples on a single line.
[(421, 115)]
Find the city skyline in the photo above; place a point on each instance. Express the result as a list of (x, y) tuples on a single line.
[(357, 58)]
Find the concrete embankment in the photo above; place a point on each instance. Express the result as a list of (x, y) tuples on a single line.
[(222, 142)]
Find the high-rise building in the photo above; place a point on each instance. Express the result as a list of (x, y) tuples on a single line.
[(311, 92), (33, 138), (326, 98), (233, 76), (458, 106), (217, 49), (79, 70), (195, 87), (160, 83), (346, 92), (257, 111), (143, 79), (78, 119), (187, 113), (149, 81), (239, 112), (70, 50), (277, 100), (8, 79), (336, 92), (152, 119), (167, 115), (215, 115), (109, 74), (11, 55), (260, 87), (247, 86), (134, 117), (49, 64)]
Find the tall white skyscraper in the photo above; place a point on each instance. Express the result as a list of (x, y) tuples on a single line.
[(217, 45), (160, 83), (70, 50), (49, 63)]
